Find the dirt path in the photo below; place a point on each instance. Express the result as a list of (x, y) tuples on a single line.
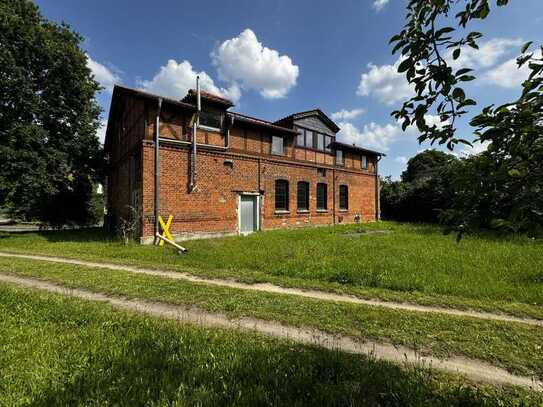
[(473, 369), (271, 288)]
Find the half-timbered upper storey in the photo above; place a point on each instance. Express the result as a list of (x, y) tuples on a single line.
[(308, 136)]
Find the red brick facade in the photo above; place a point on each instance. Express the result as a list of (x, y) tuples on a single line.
[(229, 162)]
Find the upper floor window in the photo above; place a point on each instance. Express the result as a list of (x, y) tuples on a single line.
[(339, 157), (300, 138), (343, 197), (281, 195), (364, 162), (211, 119), (309, 139), (303, 196), (320, 141), (322, 196), (328, 143), (277, 145)]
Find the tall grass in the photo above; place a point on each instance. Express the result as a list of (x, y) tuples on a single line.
[(61, 351), (411, 262)]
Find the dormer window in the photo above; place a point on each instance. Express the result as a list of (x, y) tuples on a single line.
[(211, 119)]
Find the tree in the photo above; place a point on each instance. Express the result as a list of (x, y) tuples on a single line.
[(424, 190), (50, 154), (426, 165), (514, 131)]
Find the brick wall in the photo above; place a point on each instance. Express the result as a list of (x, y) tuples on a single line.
[(222, 175)]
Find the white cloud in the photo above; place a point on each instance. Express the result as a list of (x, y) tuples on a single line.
[(488, 54), (175, 78), (347, 114), (244, 61), (101, 132), (103, 75), (401, 159), (508, 75), (466, 151), (385, 83), (371, 135), (379, 4)]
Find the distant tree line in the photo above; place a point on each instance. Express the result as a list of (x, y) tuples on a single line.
[(470, 193)]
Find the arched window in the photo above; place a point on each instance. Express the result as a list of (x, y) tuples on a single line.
[(303, 196), (343, 197), (322, 198), (281, 195)]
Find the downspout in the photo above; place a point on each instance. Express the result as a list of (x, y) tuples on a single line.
[(377, 190), (334, 194), (195, 126), (157, 167)]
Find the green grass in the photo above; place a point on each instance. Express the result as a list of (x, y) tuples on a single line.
[(415, 263), (517, 347), (61, 351)]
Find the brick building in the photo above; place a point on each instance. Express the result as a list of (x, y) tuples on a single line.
[(242, 174)]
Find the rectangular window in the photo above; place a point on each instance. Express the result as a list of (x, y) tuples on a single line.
[(320, 142), (309, 139), (300, 138), (321, 172), (328, 143), (277, 145), (281, 195), (322, 198), (303, 196), (339, 157), (211, 119), (364, 162), (343, 197)]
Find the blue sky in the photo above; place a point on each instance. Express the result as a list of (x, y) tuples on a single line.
[(278, 57)]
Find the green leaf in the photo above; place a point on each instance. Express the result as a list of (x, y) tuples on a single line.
[(463, 71), (466, 78), (405, 65), (458, 94), (526, 46), (456, 53)]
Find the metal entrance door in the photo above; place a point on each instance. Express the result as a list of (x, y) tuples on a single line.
[(248, 212)]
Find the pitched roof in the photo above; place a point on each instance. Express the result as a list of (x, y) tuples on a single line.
[(354, 147), (260, 122), (307, 113), (191, 95), (139, 92)]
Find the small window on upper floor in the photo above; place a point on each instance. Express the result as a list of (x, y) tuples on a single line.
[(320, 142), (328, 143), (300, 138), (309, 139), (211, 119), (339, 157), (277, 145), (364, 162)]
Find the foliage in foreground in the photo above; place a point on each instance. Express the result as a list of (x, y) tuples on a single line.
[(50, 154), (472, 193), (503, 187), (59, 351)]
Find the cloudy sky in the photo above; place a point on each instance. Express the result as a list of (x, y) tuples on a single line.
[(277, 57)]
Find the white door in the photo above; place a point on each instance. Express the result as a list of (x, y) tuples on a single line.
[(248, 213)]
